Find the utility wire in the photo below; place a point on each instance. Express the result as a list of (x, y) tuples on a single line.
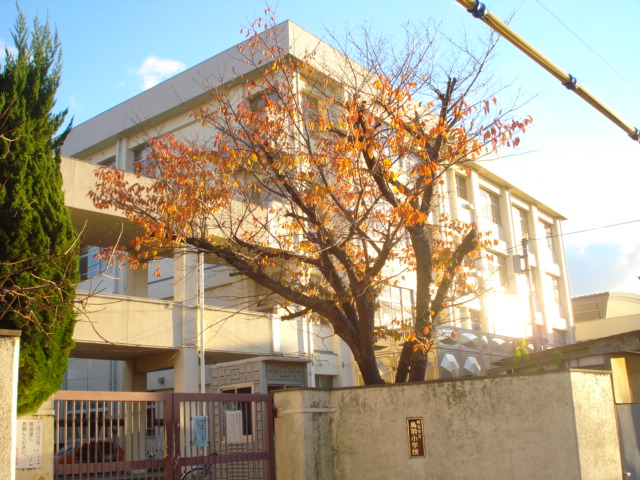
[(594, 228), (589, 47), (599, 228)]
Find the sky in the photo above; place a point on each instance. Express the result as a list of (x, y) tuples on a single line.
[(572, 158)]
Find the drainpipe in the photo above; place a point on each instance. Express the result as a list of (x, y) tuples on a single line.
[(202, 326), (480, 11)]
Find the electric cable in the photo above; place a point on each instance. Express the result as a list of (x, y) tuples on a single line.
[(589, 47)]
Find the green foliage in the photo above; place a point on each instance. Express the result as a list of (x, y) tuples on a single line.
[(521, 352), (38, 254)]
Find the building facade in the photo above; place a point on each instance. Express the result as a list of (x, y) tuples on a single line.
[(163, 331)]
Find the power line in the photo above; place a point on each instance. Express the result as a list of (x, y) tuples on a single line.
[(517, 246), (589, 47), (597, 228)]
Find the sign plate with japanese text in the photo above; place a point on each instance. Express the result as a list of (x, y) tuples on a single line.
[(415, 430)]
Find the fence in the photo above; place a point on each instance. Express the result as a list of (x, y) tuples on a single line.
[(163, 435)]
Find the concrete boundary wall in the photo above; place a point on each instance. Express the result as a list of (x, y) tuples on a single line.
[(9, 357), (559, 424)]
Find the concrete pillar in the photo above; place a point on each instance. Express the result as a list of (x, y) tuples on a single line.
[(185, 290), (133, 381), (303, 419), (275, 334), (185, 371), (9, 355), (136, 282), (123, 162)]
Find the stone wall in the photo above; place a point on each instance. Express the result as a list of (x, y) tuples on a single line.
[(558, 424)]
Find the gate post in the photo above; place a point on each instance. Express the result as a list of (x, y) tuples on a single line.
[(303, 419), (9, 353), (38, 430)]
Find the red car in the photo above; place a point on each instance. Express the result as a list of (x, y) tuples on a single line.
[(90, 456)]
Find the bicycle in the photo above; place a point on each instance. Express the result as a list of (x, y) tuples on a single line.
[(200, 472)]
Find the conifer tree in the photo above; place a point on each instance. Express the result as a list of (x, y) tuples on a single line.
[(38, 254)]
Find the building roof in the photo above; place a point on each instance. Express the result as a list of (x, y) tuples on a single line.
[(613, 344), (192, 87), (605, 305), (180, 93)]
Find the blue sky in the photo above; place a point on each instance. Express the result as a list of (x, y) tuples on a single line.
[(572, 158)]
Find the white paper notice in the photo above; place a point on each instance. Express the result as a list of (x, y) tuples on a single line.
[(29, 444), (233, 424), (200, 430)]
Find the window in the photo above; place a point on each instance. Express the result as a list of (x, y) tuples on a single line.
[(84, 263), (324, 381), (311, 115), (559, 337), (548, 233), (259, 101), (491, 206), (477, 320), (154, 421), (556, 289), (245, 407), (90, 266), (521, 220), (498, 270), (142, 164), (396, 305), (555, 282), (461, 187), (108, 162), (310, 108)]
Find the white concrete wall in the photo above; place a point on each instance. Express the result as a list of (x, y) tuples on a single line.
[(157, 323), (9, 354), (555, 425)]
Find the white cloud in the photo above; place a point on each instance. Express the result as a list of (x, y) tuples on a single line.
[(4, 46), (154, 70)]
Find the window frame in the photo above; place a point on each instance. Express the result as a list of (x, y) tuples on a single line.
[(246, 407), (462, 192), (491, 206)]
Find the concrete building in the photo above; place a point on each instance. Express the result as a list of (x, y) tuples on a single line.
[(607, 313), (157, 331)]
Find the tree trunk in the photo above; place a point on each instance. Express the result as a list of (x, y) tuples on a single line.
[(418, 367), (368, 366), (404, 364), (412, 365)]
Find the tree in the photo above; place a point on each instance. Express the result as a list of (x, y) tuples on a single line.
[(38, 244), (321, 183)]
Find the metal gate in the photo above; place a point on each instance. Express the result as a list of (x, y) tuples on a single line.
[(629, 432), (119, 435)]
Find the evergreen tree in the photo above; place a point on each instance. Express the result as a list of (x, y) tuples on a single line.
[(38, 249)]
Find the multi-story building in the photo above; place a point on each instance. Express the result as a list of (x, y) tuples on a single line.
[(161, 330)]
